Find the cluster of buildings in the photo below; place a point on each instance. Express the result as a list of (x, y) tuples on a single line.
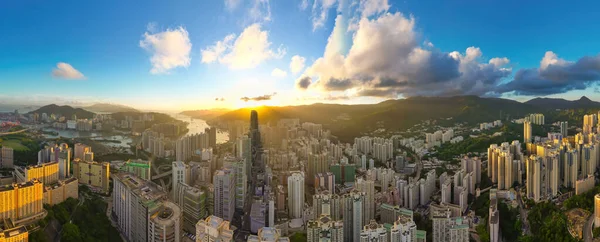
[(438, 137), (490, 125), (160, 142), (6, 157)]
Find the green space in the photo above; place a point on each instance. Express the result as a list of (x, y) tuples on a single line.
[(25, 148), (81, 221), (547, 223), (14, 144), (583, 201), (298, 237)]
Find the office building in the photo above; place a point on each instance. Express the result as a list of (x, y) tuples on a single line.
[(324, 228), (213, 229), (59, 192), (22, 200), (194, 205), (224, 194), (134, 201), (164, 223), (47, 173), (181, 173), (6, 157), (92, 173), (296, 195), (353, 215), (240, 166)]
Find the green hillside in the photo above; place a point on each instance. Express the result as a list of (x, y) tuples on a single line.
[(65, 110)]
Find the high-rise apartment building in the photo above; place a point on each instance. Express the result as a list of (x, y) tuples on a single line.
[(134, 201), (6, 157), (213, 229), (324, 228), (47, 173), (325, 203), (571, 166), (564, 129), (449, 229), (296, 195), (92, 173), (22, 200), (527, 132), (597, 210), (374, 232), (368, 188), (353, 215), (224, 195), (80, 150)]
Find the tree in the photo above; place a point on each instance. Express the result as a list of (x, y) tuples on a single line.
[(70, 233)]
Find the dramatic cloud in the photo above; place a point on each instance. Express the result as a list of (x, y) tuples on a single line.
[(265, 97), (385, 59), (303, 82), (555, 76), (170, 49), (66, 71), (278, 73), (246, 51), (297, 64)]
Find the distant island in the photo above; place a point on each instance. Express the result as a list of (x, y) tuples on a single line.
[(65, 110)]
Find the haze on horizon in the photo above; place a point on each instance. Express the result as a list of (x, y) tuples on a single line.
[(157, 55)]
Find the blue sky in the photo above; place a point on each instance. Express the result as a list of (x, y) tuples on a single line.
[(102, 51)]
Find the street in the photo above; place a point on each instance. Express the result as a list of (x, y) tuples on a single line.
[(587, 229)]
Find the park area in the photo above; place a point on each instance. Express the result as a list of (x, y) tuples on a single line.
[(576, 219)]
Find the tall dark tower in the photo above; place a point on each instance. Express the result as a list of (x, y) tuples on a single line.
[(257, 173)]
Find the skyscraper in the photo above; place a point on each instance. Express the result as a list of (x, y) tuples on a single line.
[(527, 132), (296, 195), (181, 174), (564, 127), (224, 195), (368, 188), (353, 215)]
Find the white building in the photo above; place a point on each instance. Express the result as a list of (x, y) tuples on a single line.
[(296, 195)]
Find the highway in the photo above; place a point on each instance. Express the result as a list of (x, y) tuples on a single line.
[(14, 132), (587, 229)]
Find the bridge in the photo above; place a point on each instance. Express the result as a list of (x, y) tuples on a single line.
[(14, 132)]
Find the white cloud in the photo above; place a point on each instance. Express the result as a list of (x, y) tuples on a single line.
[(372, 7), (170, 49), (66, 71), (320, 10), (260, 11), (387, 58), (232, 4), (550, 58), (278, 73), (250, 49), (297, 64)]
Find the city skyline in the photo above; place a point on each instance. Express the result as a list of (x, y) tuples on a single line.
[(238, 53)]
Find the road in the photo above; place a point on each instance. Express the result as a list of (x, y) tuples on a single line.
[(587, 229), (14, 132), (523, 213)]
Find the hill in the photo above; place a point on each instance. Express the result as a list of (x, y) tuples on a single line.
[(205, 114), (66, 111), (109, 108), (559, 103), (348, 121)]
